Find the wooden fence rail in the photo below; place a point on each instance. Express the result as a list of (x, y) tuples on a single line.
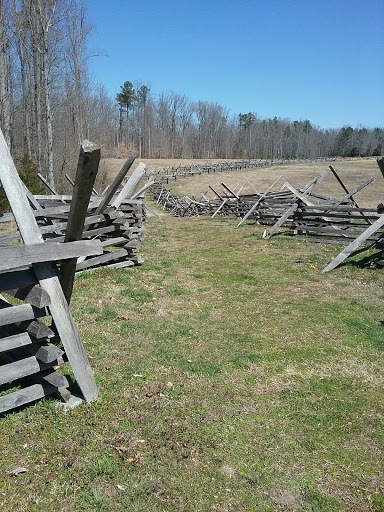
[(29, 348)]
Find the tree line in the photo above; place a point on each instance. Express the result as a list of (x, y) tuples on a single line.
[(48, 105)]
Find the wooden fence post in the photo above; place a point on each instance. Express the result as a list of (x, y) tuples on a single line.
[(46, 275), (86, 173)]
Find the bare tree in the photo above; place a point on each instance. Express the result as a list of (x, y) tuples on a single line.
[(5, 106)]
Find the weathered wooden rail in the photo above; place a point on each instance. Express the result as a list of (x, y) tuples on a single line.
[(37, 332)]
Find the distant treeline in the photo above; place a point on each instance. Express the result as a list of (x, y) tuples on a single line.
[(48, 105)]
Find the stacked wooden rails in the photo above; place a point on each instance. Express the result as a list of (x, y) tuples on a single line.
[(302, 212), (118, 230), (339, 224), (224, 204), (28, 359), (37, 332), (118, 224), (170, 174)]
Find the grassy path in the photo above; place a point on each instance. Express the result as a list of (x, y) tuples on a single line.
[(234, 375)]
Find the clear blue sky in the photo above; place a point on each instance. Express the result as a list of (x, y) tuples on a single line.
[(312, 59)]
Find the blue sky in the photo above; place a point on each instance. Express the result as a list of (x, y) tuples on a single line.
[(316, 59)]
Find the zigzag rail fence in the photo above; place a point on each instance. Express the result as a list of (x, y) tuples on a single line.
[(306, 214), (58, 236)]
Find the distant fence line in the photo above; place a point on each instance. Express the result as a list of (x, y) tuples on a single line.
[(165, 175)]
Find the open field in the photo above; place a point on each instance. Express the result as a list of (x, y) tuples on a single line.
[(234, 376)]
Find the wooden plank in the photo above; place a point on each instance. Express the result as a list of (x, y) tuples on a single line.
[(45, 352), (34, 204), (130, 187), (68, 178), (49, 375), (36, 329), (86, 173), (110, 192), (25, 255), (310, 228), (119, 240), (25, 396), (98, 260), (49, 187), (18, 279), (122, 264), (33, 295), (53, 377), (52, 198), (13, 314), (14, 341), (232, 192), (22, 368), (41, 213), (100, 231), (216, 193), (142, 190), (251, 185), (219, 208), (6, 217), (281, 220), (353, 246), (132, 244), (380, 163), (343, 208), (47, 275), (119, 264)]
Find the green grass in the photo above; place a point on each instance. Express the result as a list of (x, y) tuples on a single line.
[(233, 376)]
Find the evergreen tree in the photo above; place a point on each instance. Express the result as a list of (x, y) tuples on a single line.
[(125, 99)]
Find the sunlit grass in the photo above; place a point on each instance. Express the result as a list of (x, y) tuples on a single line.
[(233, 375)]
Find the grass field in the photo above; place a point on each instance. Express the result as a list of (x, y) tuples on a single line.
[(234, 376)]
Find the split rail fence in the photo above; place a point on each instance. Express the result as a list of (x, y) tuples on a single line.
[(302, 212), (116, 218), (56, 237), (170, 174), (37, 332)]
